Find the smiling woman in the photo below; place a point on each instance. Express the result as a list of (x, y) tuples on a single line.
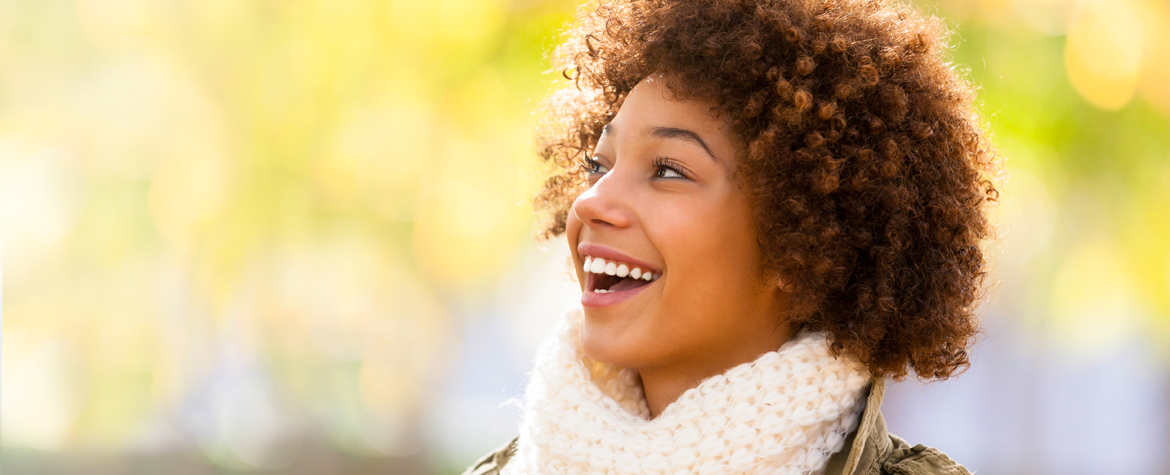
[(772, 207)]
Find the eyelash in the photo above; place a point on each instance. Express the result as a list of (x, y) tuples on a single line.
[(663, 162), (591, 166)]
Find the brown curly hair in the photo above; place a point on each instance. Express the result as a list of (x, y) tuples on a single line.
[(868, 167)]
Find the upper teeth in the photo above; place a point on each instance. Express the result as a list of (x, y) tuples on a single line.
[(620, 269)]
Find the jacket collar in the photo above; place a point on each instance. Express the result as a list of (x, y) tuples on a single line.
[(870, 443)]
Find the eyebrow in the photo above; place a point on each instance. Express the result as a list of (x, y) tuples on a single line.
[(671, 133)]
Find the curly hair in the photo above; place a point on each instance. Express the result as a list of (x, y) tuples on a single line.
[(869, 170)]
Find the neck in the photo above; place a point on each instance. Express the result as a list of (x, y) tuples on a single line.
[(665, 384)]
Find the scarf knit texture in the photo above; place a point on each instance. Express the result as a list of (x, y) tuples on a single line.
[(785, 413)]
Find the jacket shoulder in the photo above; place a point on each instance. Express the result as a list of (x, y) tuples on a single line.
[(918, 460), (872, 450), (493, 462)]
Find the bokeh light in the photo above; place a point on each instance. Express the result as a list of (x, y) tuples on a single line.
[(1103, 54)]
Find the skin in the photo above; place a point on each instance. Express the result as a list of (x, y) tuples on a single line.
[(709, 311)]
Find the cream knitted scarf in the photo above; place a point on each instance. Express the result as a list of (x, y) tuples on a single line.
[(784, 413)]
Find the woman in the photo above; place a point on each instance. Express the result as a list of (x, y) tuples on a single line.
[(772, 207)]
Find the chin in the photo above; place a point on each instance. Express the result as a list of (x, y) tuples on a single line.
[(602, 344)]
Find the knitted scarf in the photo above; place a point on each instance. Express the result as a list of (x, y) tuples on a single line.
[(785, 413)]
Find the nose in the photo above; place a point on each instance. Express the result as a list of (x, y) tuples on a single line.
[(605, 204)]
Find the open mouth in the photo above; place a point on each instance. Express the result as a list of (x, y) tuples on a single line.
[(613, 276), (601, 283)]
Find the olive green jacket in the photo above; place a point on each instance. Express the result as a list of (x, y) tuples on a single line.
[(870, 450)]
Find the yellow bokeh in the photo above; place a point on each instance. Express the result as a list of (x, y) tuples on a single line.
[(1045, 16), (39, 190), (1155, 79), (1103, 53), (104, 21), (1024, 218), (1093, 307), (466, 228), (40, 411), (188, 192), (380, 151)]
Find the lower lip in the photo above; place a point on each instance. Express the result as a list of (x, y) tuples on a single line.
[(595, 300)]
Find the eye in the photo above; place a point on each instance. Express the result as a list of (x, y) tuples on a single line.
[(667, 168), (592, 166)]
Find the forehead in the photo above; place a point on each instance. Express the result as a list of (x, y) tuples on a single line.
[(651, 104)]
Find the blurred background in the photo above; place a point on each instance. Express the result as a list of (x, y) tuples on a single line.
[(295, 236)]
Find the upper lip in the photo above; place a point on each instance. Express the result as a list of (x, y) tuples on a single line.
[(595, 250)]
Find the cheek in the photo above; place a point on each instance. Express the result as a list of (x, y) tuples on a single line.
[(709, 224), (712, 242), (573, 226)]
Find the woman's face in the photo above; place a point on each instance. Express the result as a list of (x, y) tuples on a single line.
[(662, 199)]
